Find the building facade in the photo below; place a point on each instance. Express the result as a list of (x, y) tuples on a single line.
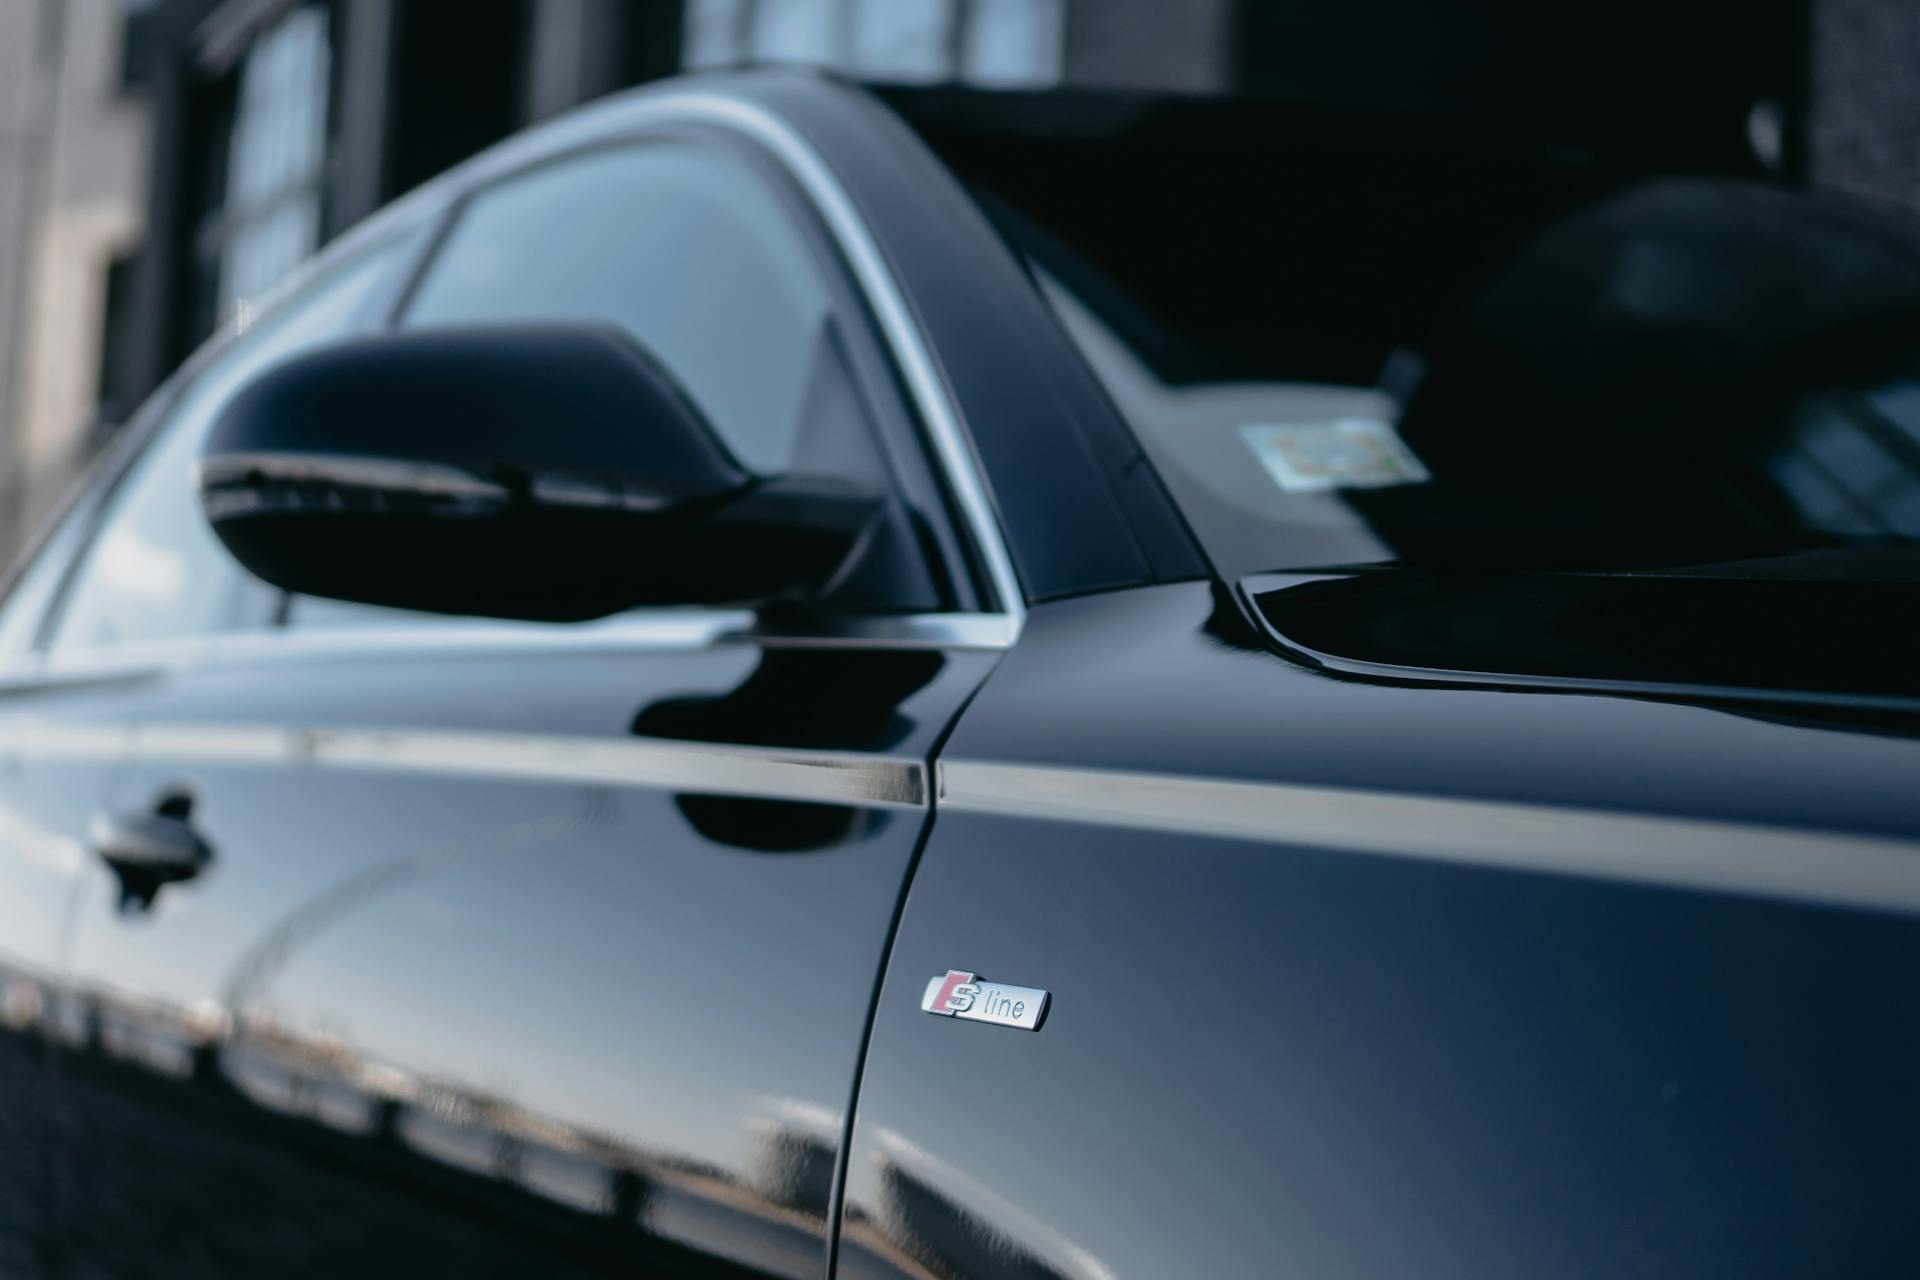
[(73, 165), (278, 123)]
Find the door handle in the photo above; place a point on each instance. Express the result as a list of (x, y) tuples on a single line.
[(150, 849)]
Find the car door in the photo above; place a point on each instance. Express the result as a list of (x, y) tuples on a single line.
[(45, 801), (513, 947), (124, 586)]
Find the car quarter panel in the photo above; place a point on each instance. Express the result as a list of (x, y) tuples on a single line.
[(1349, 980), (510, 961)]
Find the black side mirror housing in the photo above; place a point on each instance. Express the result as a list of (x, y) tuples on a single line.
[(541, 474)]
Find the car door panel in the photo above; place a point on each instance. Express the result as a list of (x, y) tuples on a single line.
[(580, 945), (126, 582), (517, 947)]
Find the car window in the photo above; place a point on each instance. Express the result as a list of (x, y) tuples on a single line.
[(685, 247), (36, 581), (1408, 355), (155, 570)]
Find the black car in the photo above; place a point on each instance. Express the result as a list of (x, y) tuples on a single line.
[(736, 687)]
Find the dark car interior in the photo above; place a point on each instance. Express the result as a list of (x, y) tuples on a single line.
[(1613, 374)]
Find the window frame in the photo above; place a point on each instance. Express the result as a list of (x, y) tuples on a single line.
[(899, 435), (917, 424), (63, 540)]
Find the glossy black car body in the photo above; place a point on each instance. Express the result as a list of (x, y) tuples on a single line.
[(1373, 949)]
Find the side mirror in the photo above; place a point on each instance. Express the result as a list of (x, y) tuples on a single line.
[(544, 474)]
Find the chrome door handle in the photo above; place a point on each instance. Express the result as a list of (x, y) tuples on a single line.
[(150, 849)]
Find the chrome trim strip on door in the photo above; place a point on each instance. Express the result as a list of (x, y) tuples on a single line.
[(701, 767), (1837, 869)]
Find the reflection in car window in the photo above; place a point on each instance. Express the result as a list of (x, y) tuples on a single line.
[(37, 581), (683, 247), (156, 571)]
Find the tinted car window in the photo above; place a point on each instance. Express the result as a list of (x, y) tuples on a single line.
[(1452, 358), (684, 247), (155, 570)]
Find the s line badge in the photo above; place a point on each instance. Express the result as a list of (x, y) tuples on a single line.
[(963, 995)]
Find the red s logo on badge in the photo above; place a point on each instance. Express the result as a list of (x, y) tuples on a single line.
[(956, 994)]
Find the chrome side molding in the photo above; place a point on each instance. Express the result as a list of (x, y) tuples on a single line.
[(703, 767), (1865, 872)]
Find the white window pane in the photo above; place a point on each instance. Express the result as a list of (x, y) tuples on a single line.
[(794, 31), (1014, 42), (903, 40), (306, 91), (711, 35), (277, 154)]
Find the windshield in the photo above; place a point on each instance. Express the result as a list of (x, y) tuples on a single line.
[(1355, 351)]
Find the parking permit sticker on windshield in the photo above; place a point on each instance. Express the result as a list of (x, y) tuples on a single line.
[(1343, 453)]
